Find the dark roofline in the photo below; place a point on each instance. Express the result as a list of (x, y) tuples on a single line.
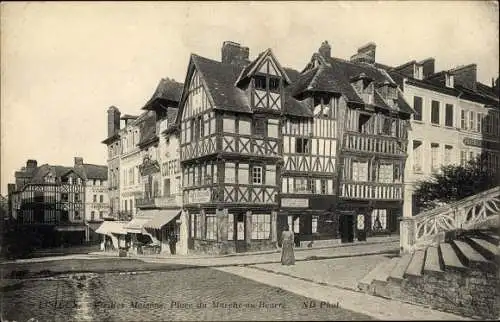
[(405, 65), (128, 117), (111, 139), (148, 142)]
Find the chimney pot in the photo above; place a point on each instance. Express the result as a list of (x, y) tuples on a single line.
[(31, 164), (78, 161), (365, 54), (325, 50)]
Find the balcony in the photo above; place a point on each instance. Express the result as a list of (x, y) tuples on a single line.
[(373, 144), (371, 190)]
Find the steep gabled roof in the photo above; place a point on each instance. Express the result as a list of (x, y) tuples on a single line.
[(94, 171), (248, 71), (167, 90), (220, 79)]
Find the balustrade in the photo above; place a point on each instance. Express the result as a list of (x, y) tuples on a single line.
[(430, 226), (374, 144), (372, 190)]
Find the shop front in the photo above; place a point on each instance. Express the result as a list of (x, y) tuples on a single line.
[(114, 235), (311, 218), (232, 230)]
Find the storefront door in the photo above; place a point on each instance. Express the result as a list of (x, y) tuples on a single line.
[(347, 227), (240, 225)]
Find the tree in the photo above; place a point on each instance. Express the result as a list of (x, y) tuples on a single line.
[(455, 182)]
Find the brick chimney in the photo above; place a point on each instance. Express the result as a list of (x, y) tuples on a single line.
[(78, 161), (113, 120), (325, 50), (365, 54), (234, 53), (428, 66), (466, 76), (31, 165)]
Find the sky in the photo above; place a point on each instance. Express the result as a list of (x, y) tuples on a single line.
[(63, 64)]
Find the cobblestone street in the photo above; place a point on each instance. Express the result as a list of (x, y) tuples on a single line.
[(181, 293)]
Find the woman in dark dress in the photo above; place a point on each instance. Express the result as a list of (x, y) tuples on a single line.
[(287, 255)]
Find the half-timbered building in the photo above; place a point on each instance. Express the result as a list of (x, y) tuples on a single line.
[(51, 204), (373, 122), (231, 145)]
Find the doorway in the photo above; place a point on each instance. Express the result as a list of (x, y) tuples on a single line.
[(240, 229), (346, 227)]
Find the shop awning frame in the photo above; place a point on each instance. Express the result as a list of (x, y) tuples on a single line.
[(136, 225), (112, 227), (161, 218)]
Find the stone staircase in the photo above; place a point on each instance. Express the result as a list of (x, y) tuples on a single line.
[(459, 275)]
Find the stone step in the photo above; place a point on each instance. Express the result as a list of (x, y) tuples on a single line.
[(379, 283), (432, 261), (416, 264), (366, 281), (490, 236), (450, 258), (489, 250), (471, 257), (397, 273)]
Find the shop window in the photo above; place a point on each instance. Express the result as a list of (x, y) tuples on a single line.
[(198, 225), (166, 187), (314, 224), (230, 226), (101, 215), (261, 226), (379, 219), (192, 224), (211, 227)]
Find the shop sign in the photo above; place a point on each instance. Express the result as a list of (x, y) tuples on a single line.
[(295, 202), (199, 196), (481, 144), (361, 222)]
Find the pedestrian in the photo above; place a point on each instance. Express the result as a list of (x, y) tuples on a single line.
[(287, 240)]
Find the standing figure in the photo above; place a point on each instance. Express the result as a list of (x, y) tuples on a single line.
[(287, 255)]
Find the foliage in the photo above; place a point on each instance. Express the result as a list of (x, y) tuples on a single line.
[(455, 182)]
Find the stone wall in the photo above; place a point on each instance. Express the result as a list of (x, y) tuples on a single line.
[(470, 293)]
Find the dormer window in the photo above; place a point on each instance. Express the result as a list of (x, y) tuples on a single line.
[(274, 84), (418, 72), (449, 80), (260, 82)]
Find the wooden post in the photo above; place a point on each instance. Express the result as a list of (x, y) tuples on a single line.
[(222, 223), (274, 226), (202, 224), (248, 229)]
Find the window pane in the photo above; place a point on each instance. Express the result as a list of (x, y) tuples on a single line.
[(257, 175), (228, 124), (449, 115), (435, 112), (244, 127), (229, 176), (417, 105)]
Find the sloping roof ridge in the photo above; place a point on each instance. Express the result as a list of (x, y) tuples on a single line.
[(195, 57), (318, 70), (414, 61)]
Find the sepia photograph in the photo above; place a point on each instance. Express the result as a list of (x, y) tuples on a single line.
[(249, 160)]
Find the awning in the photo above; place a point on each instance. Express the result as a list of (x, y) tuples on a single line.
[(161, 218), (69, 228), (112, 227), (136, 225)]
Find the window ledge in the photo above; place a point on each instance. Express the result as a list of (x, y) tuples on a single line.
[(436, 125), (419, 121)]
